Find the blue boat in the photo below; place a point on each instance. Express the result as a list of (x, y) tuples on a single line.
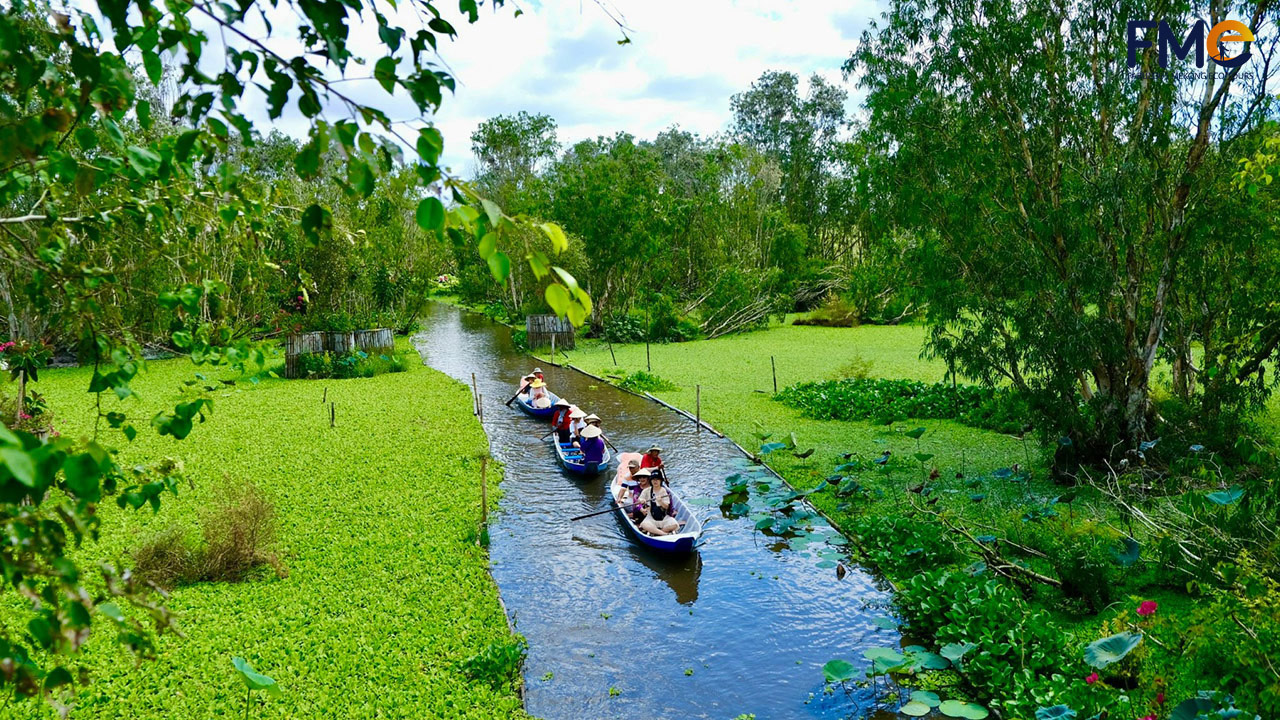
[(570, 458), (682, 542), (523, 401)]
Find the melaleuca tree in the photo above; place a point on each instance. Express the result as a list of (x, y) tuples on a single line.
[(105, 176), (1064, 204)]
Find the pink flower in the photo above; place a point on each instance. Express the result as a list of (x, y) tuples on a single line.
[(1091, 678), (1147, 608), (1149, 717), (25, 416), (1160, 698)]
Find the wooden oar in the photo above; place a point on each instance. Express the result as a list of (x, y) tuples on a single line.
[(611, 509), (610, 444), (513, 397)]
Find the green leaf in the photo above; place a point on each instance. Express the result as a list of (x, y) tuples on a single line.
[(492, 211), (1131, 553), (430, 145), (155, 69), (1111, 650), (955, 651), (430, 214), (924, 697), (838, 671), (1225, 497), (915, 434), (557, 299), (82, 473), (966, 710), (142, 159), (1192, 708), (1057, 712), (499, 266), (559, 243), (19, 464), (915, 709), (253, 679), (923, 457), (488, 245), (384, 71)]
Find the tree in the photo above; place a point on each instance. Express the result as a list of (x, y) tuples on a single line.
[(1060, 200), (510, 151)]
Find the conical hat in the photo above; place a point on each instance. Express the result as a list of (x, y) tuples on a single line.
[(538, 384), (562, 403), (590, 431), (577, 414)]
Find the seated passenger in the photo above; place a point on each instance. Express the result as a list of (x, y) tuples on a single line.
[(592, 445), (576, 416), (538, 396), (656, 501)]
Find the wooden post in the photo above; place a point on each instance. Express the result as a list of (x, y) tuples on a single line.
[(22, 395), (774, 365), (648, 331), (553, 348), (325, 399), (480, 407), (475, 396), (615, 357), (484, 491), (333, 415), (699, 405)]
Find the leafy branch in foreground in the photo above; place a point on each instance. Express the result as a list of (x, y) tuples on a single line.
[(108, 175)]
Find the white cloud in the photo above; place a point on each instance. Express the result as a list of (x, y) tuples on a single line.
[(685, 59)]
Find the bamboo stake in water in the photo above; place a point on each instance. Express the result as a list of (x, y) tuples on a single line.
[(774, 365), (333, 415), (484, 491), (475, 396), (699, 405)]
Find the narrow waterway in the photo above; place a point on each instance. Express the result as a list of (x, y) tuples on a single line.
[(616, 630)]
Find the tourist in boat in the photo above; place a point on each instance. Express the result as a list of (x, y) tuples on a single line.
[(524, 384), (641, 478), (653, 460), (560, 420), (538, 396), (656, 501), (577, 416), (592, 445), (592, 419)]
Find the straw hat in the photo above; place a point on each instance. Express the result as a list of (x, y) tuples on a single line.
[(538, 383), (577, 414), (537, 371), (654, 448), (633, 463), (561, 402), (592, 418), (590, 431), (642, 472)]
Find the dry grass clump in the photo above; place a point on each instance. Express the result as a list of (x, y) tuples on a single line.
[(237, 532)]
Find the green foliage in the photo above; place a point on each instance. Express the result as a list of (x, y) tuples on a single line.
[(886, 401), (1233, 636), (383, 500), (498, 664), (352, 364), (641, 382)]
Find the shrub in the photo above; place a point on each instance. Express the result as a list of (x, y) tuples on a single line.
[(498, 663), (891, 400), (623, 328), (237, 532), (835, 311), (641, 381), (354, 364), (858, 368), (1233, 639)]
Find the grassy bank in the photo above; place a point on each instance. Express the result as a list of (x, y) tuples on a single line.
[(984, 491), (387, 590)]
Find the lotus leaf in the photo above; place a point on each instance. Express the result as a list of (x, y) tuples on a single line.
[(1111, 650)]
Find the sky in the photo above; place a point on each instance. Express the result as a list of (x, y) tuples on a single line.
[(686, 58)]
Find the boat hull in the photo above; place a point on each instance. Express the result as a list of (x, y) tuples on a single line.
[(570, 458), (682, 542), (544, 413)]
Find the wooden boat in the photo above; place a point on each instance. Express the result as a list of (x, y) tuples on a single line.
[(683, 541), (570, 458), (523, 401)]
